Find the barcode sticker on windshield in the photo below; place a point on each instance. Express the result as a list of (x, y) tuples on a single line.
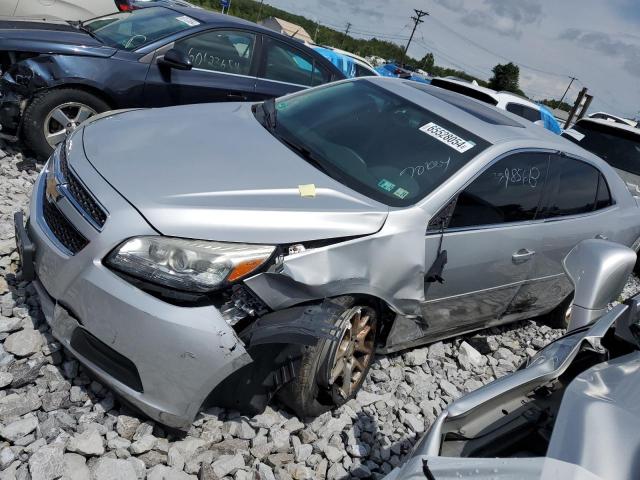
[(445, 136), (188, 20)]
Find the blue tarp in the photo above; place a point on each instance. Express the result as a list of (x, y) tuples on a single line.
[(343, 62), (549, 120)]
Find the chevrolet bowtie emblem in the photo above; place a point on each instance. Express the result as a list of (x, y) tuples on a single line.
[(52, 192)]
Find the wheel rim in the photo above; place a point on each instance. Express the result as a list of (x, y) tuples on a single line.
[(64, 119), (353, 352)]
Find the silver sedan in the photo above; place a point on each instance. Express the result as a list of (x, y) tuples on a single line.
[(224, 254)]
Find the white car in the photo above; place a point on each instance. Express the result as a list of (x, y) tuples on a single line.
[(511, 102), (72, 10), (613, 118)]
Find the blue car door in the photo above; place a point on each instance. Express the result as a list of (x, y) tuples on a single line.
[(224, 65)]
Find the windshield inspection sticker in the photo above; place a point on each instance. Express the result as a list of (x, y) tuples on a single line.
[(192, 22), (447, 137), (401, 193), (385, 184)]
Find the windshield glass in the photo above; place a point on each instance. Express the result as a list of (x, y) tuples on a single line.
[(130, 30), (373, 141), (618, 148)]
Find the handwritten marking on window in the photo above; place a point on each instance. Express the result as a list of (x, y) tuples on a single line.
[(429, 165), (206, 60), (518, 176)]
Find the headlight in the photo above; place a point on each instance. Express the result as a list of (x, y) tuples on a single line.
[(189, 265)]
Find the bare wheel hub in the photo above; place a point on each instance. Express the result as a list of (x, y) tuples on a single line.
[(64, 119), (353, 352)]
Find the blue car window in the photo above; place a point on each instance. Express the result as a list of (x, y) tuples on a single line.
[(220, 51), (131, 30), (287, 64)]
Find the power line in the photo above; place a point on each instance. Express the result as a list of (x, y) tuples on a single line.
[(417, 19)]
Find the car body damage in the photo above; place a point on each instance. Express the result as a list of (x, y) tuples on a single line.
[(354, 267), (570, 411)]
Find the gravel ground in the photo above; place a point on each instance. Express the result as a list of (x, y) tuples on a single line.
[(57, 422)]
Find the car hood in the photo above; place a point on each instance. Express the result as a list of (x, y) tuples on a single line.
[(212, 171), (49, 37)]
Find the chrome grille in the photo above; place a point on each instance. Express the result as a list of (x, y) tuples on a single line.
[(61, 228), (82, 198)]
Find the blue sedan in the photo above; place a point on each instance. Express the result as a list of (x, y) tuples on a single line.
[(55, 75)]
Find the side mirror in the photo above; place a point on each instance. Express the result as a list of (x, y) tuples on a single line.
[(598, 270), (175, 59)]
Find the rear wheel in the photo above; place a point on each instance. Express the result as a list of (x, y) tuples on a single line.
[(332, 372), (53, 114)]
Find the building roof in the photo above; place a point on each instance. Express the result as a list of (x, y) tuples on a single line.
[(288, 28)]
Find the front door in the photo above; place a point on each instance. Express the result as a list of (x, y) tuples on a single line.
[(223, 71), (492, 240)]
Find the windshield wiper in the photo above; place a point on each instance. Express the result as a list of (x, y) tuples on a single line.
[(80, 26), (305, 153), (270, 113)]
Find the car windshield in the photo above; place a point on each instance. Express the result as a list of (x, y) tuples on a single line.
[(619, 148), (372, 140), (131, 30)]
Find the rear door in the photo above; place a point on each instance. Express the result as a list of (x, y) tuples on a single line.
[(492, 240), (223, 70), (578, 206), (285, 69)]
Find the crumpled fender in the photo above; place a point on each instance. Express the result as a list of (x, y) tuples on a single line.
[(389, 265)]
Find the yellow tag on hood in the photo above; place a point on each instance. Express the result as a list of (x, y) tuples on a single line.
[(308, 190)]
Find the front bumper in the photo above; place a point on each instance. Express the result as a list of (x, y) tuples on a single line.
[(179, 354)]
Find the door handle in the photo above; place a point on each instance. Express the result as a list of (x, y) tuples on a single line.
[(236, 97), (522, 255), (601, 236)]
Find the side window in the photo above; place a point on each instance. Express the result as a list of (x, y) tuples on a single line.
[(603, 199), (288, 64), (363, 71), (508, 191), (573, 188), (524, 111), (225, 51)]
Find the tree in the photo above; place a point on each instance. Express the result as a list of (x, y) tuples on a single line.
[(428, 62), (506, 77), (553, 103)]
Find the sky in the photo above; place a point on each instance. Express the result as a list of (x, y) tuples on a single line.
[(597, 41)]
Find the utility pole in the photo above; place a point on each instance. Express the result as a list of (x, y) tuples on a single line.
[(315, 35), (567, 90), (260, 10), (346, 32), (417, 20)]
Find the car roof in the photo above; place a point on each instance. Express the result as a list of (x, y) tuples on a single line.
[(497, 95), (488, 122), (613, 125), (611, 117)]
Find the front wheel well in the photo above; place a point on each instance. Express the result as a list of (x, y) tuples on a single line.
[(81, 86)]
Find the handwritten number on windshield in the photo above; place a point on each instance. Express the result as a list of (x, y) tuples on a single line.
[(427, 166), (518, 176)]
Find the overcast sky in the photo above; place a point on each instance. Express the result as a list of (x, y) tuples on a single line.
[(597, 41)]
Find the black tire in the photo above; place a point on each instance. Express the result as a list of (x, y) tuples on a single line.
[(559, 317), (42, 105), (311, 392)]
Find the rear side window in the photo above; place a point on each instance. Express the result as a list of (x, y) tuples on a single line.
[(603, 198), (508, 191), (284, 63), (573, 187), (529, 113), (220, 51)]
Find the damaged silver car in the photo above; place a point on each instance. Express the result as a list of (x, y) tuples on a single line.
[(223, 254), (570, 412)]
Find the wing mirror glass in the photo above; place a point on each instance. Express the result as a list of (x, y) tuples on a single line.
[(176, 59), (598, 270)]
